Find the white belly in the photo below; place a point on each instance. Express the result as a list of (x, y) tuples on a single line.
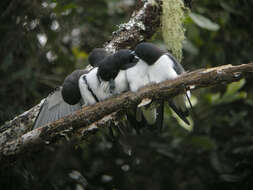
[(162, 70), (137, 76)]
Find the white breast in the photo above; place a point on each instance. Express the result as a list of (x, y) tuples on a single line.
[(101, 90), (162, 70), (87, 97), (137, 76), (121, 84)]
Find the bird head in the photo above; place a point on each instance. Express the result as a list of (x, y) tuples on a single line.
[(70, 89), (110, 66), (148, 52), (97, 55)]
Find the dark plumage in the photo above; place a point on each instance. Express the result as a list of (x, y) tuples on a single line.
[(148, 52), (70, 89), (111, 65), (96, 56)]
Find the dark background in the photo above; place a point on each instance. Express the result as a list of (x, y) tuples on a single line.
[(216, 155)]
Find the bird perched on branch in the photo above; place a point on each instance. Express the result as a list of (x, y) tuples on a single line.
[(156, 65), (66, 99), (108, 79)]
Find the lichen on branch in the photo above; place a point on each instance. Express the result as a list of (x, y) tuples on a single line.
[(172, 26)]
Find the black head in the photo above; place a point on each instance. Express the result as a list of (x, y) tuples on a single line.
[(111, 65), (70, 88), (97, 55), (148, 52)]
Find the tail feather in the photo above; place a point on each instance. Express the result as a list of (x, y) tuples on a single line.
[(182, 114), (159, 120)]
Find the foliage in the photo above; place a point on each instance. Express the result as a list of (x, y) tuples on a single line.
[(216, 154)]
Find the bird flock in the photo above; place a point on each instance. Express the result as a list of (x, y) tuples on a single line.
[(113, 74)]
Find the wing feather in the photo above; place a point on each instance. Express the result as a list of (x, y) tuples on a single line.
[(54, 108)]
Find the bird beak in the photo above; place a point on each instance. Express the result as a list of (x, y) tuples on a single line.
[(133, 62), (136, 58)]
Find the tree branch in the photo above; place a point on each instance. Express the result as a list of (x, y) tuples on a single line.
[(90, 118)]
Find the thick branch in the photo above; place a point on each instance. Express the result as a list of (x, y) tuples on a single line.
[(91, 117), (141, 26)]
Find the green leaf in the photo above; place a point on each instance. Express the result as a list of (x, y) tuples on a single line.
[(249, 102), (234, 97), (234, 87), (202, 142), (204, 22), (60, 8), (213, 98), (79, 54)]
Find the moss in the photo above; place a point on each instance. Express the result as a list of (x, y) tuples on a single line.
[(172, 26)]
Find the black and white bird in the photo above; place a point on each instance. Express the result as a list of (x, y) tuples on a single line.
[(155, 66), (108, 79), (66, 99)]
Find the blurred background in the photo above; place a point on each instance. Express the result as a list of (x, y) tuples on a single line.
[(43, 41)]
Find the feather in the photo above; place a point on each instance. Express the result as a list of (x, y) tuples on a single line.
[(53, 109)]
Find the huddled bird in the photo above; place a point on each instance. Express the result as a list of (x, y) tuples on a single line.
[(108, 79), (66, 99), (157, 65), (113, 74)]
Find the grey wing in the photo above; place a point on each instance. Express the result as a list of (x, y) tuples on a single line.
[(54, 108), (177, 66)]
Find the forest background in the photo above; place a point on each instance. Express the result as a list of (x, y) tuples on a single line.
[(43, 41)]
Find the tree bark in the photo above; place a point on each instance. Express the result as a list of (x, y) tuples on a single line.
[(110, 112)]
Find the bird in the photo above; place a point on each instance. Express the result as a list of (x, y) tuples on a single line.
[(108, 79), (138, 77), (157, 65), (66, 99), (97, 55)]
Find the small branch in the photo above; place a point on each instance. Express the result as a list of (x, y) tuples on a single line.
[(92, 117)]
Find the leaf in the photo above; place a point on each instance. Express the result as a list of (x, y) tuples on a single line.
[(79, 54), (190, 47), (234, 87), (228, 8), (203, 142), (249, 102), (60, 8), (234, 97), (204, 22), (213, 98)]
